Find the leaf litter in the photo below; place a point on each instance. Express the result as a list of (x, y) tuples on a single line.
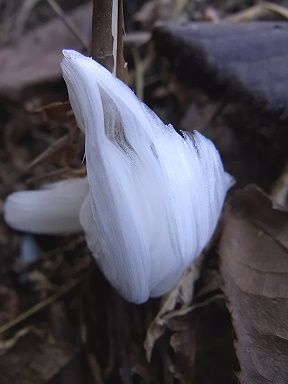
[(254, 263), (89, 332)]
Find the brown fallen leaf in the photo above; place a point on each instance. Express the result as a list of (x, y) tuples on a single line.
[(59, 112), (36, 357), (254, 266), (35, 58), (182, 294), (202, 345)]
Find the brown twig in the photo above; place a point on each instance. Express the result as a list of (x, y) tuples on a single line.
[(102, 42), (107, 36)]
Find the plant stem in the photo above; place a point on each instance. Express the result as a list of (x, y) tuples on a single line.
[(102, 42), (107, 36), (121, 67)]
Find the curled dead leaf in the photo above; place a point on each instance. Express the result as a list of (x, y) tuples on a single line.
[(183, 294), (254, 266), (34, 357)]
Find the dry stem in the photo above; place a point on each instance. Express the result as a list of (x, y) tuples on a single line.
[(102, 35)]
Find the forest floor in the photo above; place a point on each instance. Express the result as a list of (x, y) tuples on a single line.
[(225, 322)]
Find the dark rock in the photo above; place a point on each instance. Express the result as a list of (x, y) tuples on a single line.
[(247, 60)]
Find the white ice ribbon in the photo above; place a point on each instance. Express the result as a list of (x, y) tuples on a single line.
[(154, 195), (53, 209)]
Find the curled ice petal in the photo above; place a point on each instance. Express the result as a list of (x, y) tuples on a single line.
[(154, 196), (52, 210)]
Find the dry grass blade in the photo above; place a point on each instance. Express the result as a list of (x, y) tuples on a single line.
[(9, 343), (259, 11), (68, 22), (58, 174), (38, 307), (139, 73), (57, 146), (279, 9), (255, 12), (179, 6), (137, 38), (23, 16), (142, 64)]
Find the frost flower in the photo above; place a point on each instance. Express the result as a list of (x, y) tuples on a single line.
[(54, 209), (154, 195), (151, 199)]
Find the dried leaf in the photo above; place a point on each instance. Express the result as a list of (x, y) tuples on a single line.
[(35, 359), (182, 293), (254, 265), (202, 345), (35, 57), (60, 112), (184, 344)]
